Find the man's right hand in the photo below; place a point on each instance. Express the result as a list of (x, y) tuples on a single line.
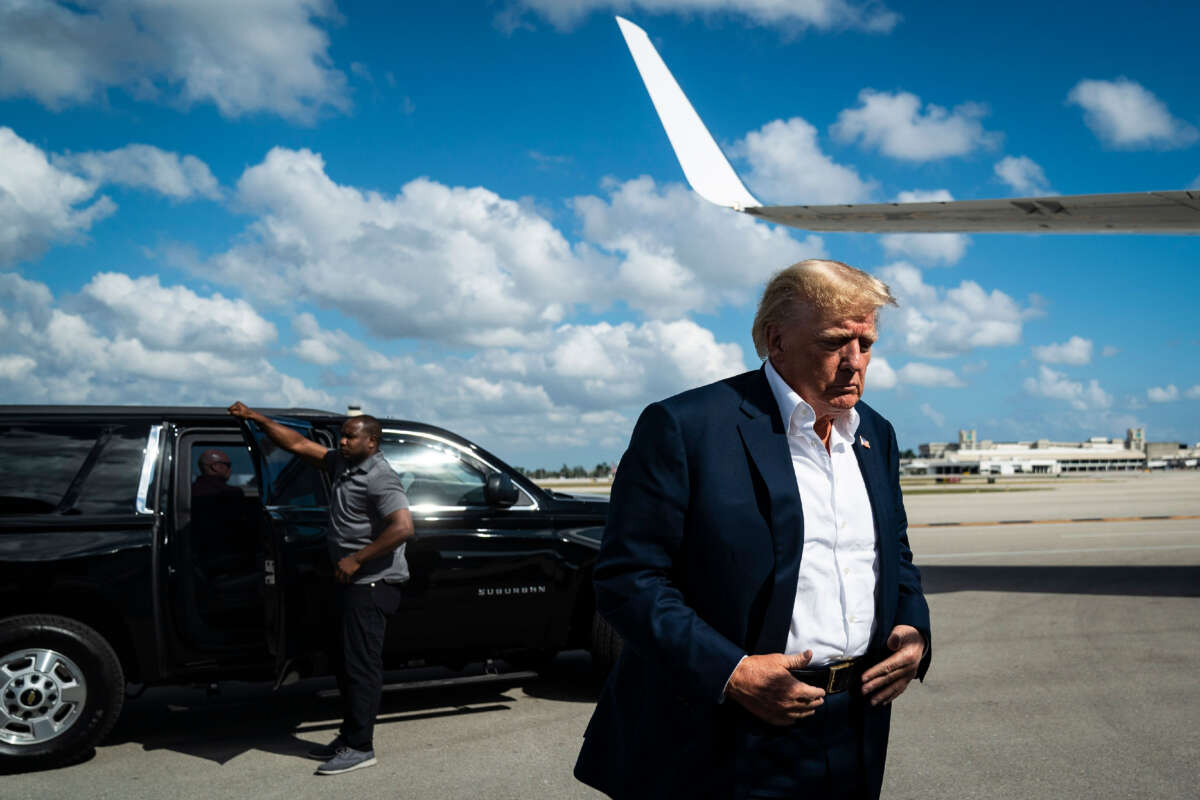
[(242, 411), (291, 440), (763, 685)]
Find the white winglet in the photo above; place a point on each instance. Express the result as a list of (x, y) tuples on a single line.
[(711, 177), (704, 165)]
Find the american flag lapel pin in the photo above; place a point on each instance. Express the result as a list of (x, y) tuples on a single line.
[(863, 441)]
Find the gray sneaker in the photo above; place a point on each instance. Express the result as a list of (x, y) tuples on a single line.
[(324, 752), (346, 760)]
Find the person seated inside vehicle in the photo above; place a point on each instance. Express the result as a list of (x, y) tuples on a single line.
[(213, 478), (222, 538)]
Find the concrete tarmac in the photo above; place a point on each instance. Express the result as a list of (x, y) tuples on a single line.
[(1065, 666)]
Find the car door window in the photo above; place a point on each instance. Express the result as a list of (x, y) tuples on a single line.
[(70, 468), (293, 481), (434, 474), (220, 468)]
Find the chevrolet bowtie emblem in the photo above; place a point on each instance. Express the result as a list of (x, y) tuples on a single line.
[(864, 442)]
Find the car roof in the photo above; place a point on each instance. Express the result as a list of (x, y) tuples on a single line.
[(185, 412), (198, 413)]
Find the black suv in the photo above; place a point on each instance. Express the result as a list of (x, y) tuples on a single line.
[(120, 564)]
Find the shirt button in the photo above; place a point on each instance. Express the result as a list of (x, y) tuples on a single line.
[(853, 618), (846, 571)]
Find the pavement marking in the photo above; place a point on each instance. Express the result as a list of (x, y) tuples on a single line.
[(992, 523), (922, 557)]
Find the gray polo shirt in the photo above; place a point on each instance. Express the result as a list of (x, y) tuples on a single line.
[(363, 497)]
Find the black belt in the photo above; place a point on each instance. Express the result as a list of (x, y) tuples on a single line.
[(839, 676)]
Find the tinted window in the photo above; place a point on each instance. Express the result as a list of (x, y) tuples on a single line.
[(110, 486), (434, 474), (293, 482), (238, 479), (74, 469)]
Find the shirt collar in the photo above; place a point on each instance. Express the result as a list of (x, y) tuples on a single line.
[(366, 465), (799, 415)]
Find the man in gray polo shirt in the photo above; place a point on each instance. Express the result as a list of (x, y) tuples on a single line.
[(368, 525)]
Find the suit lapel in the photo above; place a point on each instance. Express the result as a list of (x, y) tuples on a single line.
[(765, 439), (870, 464)]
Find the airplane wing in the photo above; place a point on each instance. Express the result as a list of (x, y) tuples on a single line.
[(712, 177)]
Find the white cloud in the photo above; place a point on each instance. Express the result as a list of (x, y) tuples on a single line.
[(787, 165), (448, 263), (680, 253), (173, 317), (60, 355), (598, 375), (1123, 114), (145, 167), (820, 14), (316, 351), (932, 248), (134, 340), (14, 368), (1023, 175), (1163, 394), (604, 364), (1075, 350), (1109, 351), (880, 374), (934, 415), (920, 374), (936, 323), (263, 56), (1056, 386), (897, 126), (47, 200), (324, 347), (467, 266), (1193, 393), (39, 203)]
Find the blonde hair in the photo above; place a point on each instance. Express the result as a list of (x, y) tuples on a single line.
[(829, 287)]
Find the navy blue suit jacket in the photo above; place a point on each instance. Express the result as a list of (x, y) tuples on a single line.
[(699, 566)]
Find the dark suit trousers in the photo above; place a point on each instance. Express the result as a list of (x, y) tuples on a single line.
[(365, 610), (825, 755)]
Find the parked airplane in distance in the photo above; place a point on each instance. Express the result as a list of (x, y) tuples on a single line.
[(712, 177)]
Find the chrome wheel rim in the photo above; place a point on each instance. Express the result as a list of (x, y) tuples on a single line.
[(42, 694)]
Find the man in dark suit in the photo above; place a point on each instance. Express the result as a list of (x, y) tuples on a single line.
[(756, 564)]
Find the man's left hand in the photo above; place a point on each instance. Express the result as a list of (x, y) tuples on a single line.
[(888, 679), (345, 569)]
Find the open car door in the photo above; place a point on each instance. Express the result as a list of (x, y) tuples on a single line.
[(297, 578)]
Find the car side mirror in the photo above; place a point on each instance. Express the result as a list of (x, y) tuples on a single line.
[(499, 490)]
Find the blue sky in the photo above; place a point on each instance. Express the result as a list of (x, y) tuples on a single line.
[(468, 214)]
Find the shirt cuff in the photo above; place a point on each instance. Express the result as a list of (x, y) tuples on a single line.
[(725, 688)]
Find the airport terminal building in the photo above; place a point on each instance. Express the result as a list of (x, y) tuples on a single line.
[(970, 456)]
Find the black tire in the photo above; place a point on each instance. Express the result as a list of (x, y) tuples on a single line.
[(606, 645), (80, 666)]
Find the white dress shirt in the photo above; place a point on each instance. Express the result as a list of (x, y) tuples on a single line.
[(834, 613)]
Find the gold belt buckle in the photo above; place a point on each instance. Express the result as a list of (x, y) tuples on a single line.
[(834, 669)]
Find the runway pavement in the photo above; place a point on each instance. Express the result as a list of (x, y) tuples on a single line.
[(1065, 666)]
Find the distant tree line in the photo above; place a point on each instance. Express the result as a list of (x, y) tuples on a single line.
[(578, 471)]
